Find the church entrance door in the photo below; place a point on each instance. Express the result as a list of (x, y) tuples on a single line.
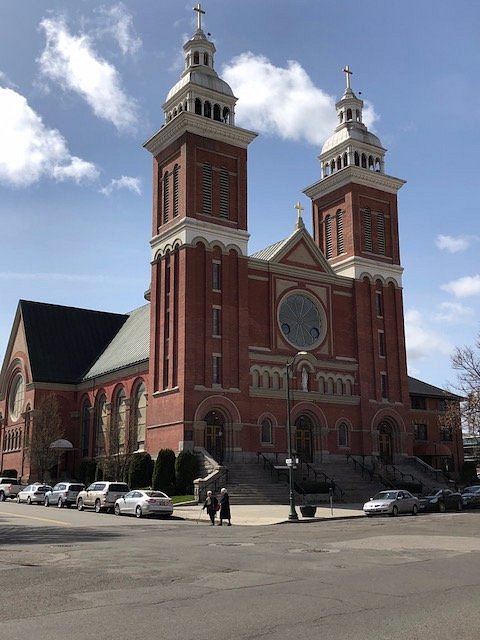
[(214, 436), (304, 439), (385, 444)]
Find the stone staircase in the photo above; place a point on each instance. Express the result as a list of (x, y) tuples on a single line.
[(249, 483), (356, 488)]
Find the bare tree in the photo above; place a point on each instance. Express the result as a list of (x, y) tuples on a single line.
[(466, 362), (46, 428)]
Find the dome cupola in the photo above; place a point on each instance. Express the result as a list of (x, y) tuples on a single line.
[(351, 143), (200, 90)]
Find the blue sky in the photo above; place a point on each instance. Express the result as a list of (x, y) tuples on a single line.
[(82, 86)]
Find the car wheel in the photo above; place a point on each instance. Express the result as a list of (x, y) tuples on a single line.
[(2, 496), (394, 511), (441, 507), (138, 512), (59, 503), (414, 510), (116, 510), (29, 500), (46, 502), (98, 506), (18, 500), (80, 506)]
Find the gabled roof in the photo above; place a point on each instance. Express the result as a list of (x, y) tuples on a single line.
[(419, 388), (130, 346), (64, 342), (299, 249)]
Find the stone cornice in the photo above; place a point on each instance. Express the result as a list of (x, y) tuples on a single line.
[(200, 126), (356, 175), (188, 230), (356, 268)]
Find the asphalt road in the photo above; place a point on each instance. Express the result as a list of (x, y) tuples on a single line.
[(77, 576)]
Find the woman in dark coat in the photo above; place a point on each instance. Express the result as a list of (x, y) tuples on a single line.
[(224, 508), (211, 505)]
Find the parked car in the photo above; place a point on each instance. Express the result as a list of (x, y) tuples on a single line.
[(442, 500), (33, 493), (101, 496), (144, 503), (392, 502), (9, 487), (63, 494), (471, 497)]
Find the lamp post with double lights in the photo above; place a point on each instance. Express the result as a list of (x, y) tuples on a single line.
[(291, 463)]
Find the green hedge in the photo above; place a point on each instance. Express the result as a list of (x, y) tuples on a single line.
[(187, 469), (140, 470), (163, 477)]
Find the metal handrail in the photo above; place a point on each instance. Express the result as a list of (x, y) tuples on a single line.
[(326, 479)]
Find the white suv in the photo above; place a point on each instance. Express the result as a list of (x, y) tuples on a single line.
[(101, 496)]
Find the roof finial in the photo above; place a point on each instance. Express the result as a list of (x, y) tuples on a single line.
[(299, 209), (347, 73), (200, 12)]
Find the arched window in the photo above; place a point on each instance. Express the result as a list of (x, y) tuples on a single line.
[(139, 417), (356, 159), (17, 397), (357, 114), (198, 106), (117, 434), (377, 165), (339, 222), (333, 165), (225, 114), (207, 109), (166, 197), (85, 427), (326, 170), (364, 161), (340, 116), (175, 190), (343, 435), (371, 163), (216, 112), (196, 57), (349, 114), (345, 159), (266, 431), (328, 237), (100, 425), (339, 163), (224, 193), (205, 59)]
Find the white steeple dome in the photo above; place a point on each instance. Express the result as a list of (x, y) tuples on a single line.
[(351, 143), (199, 89)]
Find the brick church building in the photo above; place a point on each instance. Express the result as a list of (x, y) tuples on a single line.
[(203, 363)]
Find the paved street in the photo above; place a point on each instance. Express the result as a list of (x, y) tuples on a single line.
[(81, 575)]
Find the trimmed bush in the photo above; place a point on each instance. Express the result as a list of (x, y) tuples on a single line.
[(163, 477), (140, 469), (187, 469)]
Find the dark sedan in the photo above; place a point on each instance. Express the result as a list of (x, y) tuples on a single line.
[(442, 500), (471, 496)]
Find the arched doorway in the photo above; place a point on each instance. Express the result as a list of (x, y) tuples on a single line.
[(215, 435), (304, 439), (385, 442)]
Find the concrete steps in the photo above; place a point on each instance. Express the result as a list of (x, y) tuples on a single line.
[(249, 483)]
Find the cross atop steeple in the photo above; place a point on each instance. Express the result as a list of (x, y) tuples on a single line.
[(347, 73), (299, 209), (200, 12)]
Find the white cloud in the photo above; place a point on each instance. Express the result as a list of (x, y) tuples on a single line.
[(454, 313), (421, 341), (463, 287), (452, 245), (30, 151), (120, 25), (125, 182), (282, 101), (72, 62)]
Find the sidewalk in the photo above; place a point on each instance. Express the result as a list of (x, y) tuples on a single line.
[(256, 514)]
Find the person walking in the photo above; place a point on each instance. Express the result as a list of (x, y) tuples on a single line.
[(211, 505), (224, 508)]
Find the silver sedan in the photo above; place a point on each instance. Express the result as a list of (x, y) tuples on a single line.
[(144, 503), (392, 502)]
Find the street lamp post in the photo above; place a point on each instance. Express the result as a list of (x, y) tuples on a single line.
[(290, 461)]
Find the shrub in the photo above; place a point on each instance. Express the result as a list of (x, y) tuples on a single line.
[(163, 476), (140, 469), (468, 473), (187, 470)]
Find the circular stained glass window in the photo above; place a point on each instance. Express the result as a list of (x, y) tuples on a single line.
[(300, 321), (17, 397)]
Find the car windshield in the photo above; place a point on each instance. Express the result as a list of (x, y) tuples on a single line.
[(385, 495), (76, 487), (156, 494), (118, 487)]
